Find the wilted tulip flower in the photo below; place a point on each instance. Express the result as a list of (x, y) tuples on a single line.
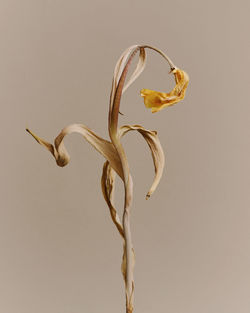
[(158, 100), (113, 151)]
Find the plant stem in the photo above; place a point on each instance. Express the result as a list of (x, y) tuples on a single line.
[(128, 187), (171, 64), (128, 247), (128, 259)]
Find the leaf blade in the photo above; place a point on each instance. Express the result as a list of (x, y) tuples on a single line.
[(61, 155), (108, 183), (154, 144)]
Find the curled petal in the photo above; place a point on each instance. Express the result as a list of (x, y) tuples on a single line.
[(61, 155), (158, 100), (108, 183), (154, 144)]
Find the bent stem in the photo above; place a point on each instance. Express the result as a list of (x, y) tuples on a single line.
[(128, 188), (128, 257), (171, 64)]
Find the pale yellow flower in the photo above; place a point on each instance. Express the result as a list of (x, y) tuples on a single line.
[(156, 100)]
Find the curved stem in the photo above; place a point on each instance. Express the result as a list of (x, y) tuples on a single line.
[(171, 64), (115, 99), (129, 253), (128, 186)]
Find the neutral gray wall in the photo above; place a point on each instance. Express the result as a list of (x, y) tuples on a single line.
[(59, 251)]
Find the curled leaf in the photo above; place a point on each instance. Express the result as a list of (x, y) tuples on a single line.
[(154, 144), (121, 63), (61, 155), (118, 83), (108, 183), (158, 100), (138, 70)]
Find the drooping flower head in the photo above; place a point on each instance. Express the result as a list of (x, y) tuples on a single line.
[(156, 100)]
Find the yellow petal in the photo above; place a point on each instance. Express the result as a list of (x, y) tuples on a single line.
[(158, 100)]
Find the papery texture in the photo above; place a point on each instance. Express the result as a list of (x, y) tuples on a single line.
[(154, 144), (61, 155), (158, 100)]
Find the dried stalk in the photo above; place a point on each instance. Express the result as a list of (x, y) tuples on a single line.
[(113, 150)]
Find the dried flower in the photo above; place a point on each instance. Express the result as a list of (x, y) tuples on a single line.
[(113, 152), (158, 100)]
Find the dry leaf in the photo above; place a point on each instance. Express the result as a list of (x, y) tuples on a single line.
[(154, 144), (61, 155), (108, 182)]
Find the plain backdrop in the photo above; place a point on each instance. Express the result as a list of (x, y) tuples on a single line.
[(59, 250)]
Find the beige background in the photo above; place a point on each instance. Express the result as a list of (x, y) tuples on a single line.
[(59, 251)]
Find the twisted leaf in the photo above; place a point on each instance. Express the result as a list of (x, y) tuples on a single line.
[(108, 183), (61, 155), (154, 144)]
